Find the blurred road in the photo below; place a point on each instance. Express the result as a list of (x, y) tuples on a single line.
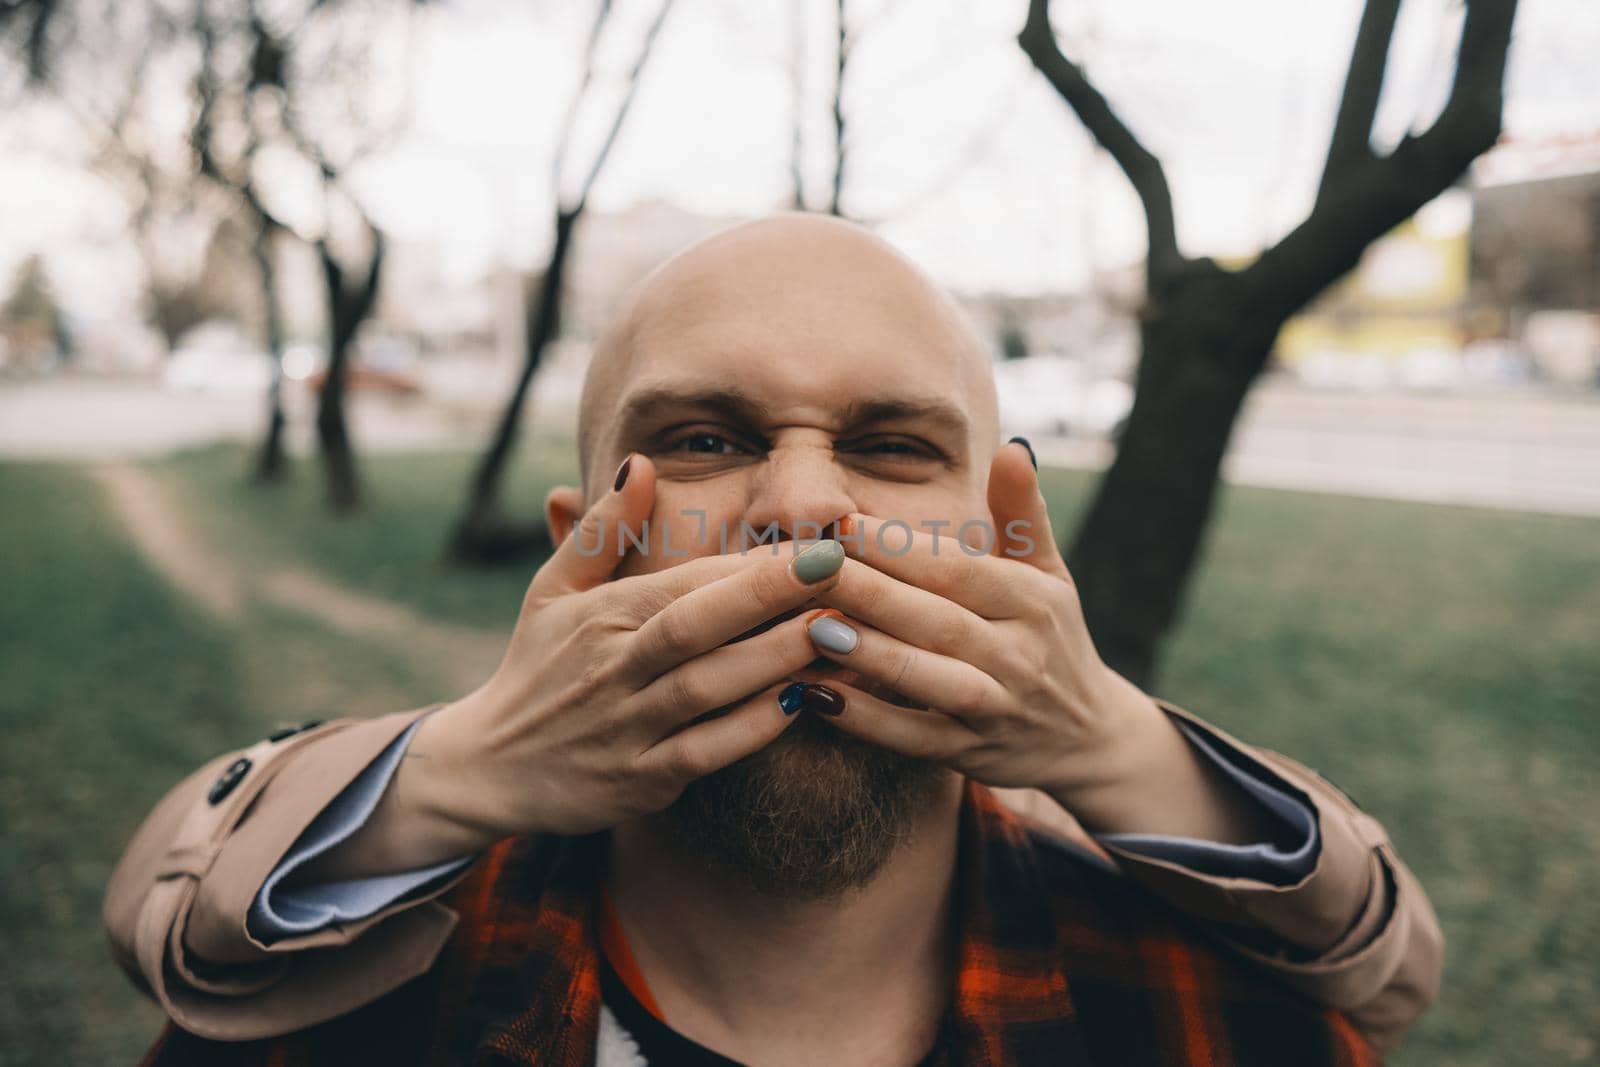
[(1526, 451), (100, 419), (1522, 450)]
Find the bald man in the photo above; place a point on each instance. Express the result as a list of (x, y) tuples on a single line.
[(778, 764)]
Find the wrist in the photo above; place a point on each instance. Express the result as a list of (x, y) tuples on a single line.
[(436, 789), (1109, 784)]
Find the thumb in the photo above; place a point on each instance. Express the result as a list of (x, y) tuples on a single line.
[(595, 546), (1022, 522)]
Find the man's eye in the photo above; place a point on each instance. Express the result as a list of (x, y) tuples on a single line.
[(890, 446), (704, 442)]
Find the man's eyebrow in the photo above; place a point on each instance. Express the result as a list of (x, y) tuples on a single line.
[(894, 409), (732, 404)]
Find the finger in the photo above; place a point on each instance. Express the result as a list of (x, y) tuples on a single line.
[(1021, 519), (912, 614), (709, 746), (928, 678), (723, 676), (719, 611), (930, 735), (594, 548), (937, 560)]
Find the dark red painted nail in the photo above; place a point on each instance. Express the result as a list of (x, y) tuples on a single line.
[(1023, 441), (820, 700), (622, 475)]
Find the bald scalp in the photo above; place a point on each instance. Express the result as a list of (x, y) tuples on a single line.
[(772, 258)]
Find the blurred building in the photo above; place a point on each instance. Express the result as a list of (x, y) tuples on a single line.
[(1535, 271), (614, 251), (1396, 319)]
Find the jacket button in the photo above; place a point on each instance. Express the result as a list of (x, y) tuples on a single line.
[(229, 779)]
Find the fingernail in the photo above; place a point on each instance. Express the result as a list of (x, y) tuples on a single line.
[(821, 560), (1023, 441), (831, 634), (792, 698), (622, 475), (820, 700)]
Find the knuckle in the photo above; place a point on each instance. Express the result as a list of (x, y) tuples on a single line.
[(974, 697), (590, 529), (929, 747), (769, 583), (687, 761), (677, 691), (868, 592), (903, 661), (950, 633), (672, 633)]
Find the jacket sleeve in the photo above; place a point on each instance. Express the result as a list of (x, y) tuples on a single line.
[(1355, 933), (177, 905)]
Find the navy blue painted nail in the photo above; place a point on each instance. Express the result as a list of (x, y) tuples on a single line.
[(793, 697), (1023, 441)]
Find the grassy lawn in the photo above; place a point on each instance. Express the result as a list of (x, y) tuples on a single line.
[(1439, 663), (111, 689)]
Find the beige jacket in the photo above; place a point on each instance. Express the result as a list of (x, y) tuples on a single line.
[(1364, 937)]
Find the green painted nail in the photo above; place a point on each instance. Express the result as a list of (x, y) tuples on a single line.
[(821, 560)]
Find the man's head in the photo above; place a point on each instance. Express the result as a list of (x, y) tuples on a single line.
[(789, 372)]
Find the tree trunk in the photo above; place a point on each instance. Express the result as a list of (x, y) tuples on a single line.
[(347, 309), (484, 534), (1207, 334), (271, 465), (1145, 525), (333, 437)]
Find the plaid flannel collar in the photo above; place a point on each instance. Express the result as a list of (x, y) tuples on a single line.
[(531, 971)]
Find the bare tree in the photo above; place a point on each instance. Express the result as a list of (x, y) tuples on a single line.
[(484, 534), (26, 26), (1207, 332), (236, 174), (98, 72), (285, 75)]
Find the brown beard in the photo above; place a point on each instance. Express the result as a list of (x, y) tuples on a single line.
[(813, 814)]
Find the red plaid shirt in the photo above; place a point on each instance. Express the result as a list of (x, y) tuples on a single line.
[(1062, 962)]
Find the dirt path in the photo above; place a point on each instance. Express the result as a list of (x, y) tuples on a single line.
[(169, 545), (224, 587)]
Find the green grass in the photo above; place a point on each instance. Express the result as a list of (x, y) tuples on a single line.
[(111, 689), (1439, 663), (394, 547)]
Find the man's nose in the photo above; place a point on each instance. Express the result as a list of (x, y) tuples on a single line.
[(800, 489)]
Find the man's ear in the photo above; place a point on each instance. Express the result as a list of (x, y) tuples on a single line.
[(563, 507)]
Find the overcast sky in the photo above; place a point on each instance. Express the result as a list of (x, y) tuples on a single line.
[(963, 153)]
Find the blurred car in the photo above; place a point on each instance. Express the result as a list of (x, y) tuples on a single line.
[(216, 357), (382, 366), (1060, 396)]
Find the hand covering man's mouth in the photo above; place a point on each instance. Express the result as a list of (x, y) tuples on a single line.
[(823, 670), (770, 623)]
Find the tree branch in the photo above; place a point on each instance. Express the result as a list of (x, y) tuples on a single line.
[(1351, 142), (645, 49), (1143, 169), (1382, 193), (570, 121), (835, 199), (797, 86)]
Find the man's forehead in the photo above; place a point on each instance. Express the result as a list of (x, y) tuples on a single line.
[(790, 307)]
